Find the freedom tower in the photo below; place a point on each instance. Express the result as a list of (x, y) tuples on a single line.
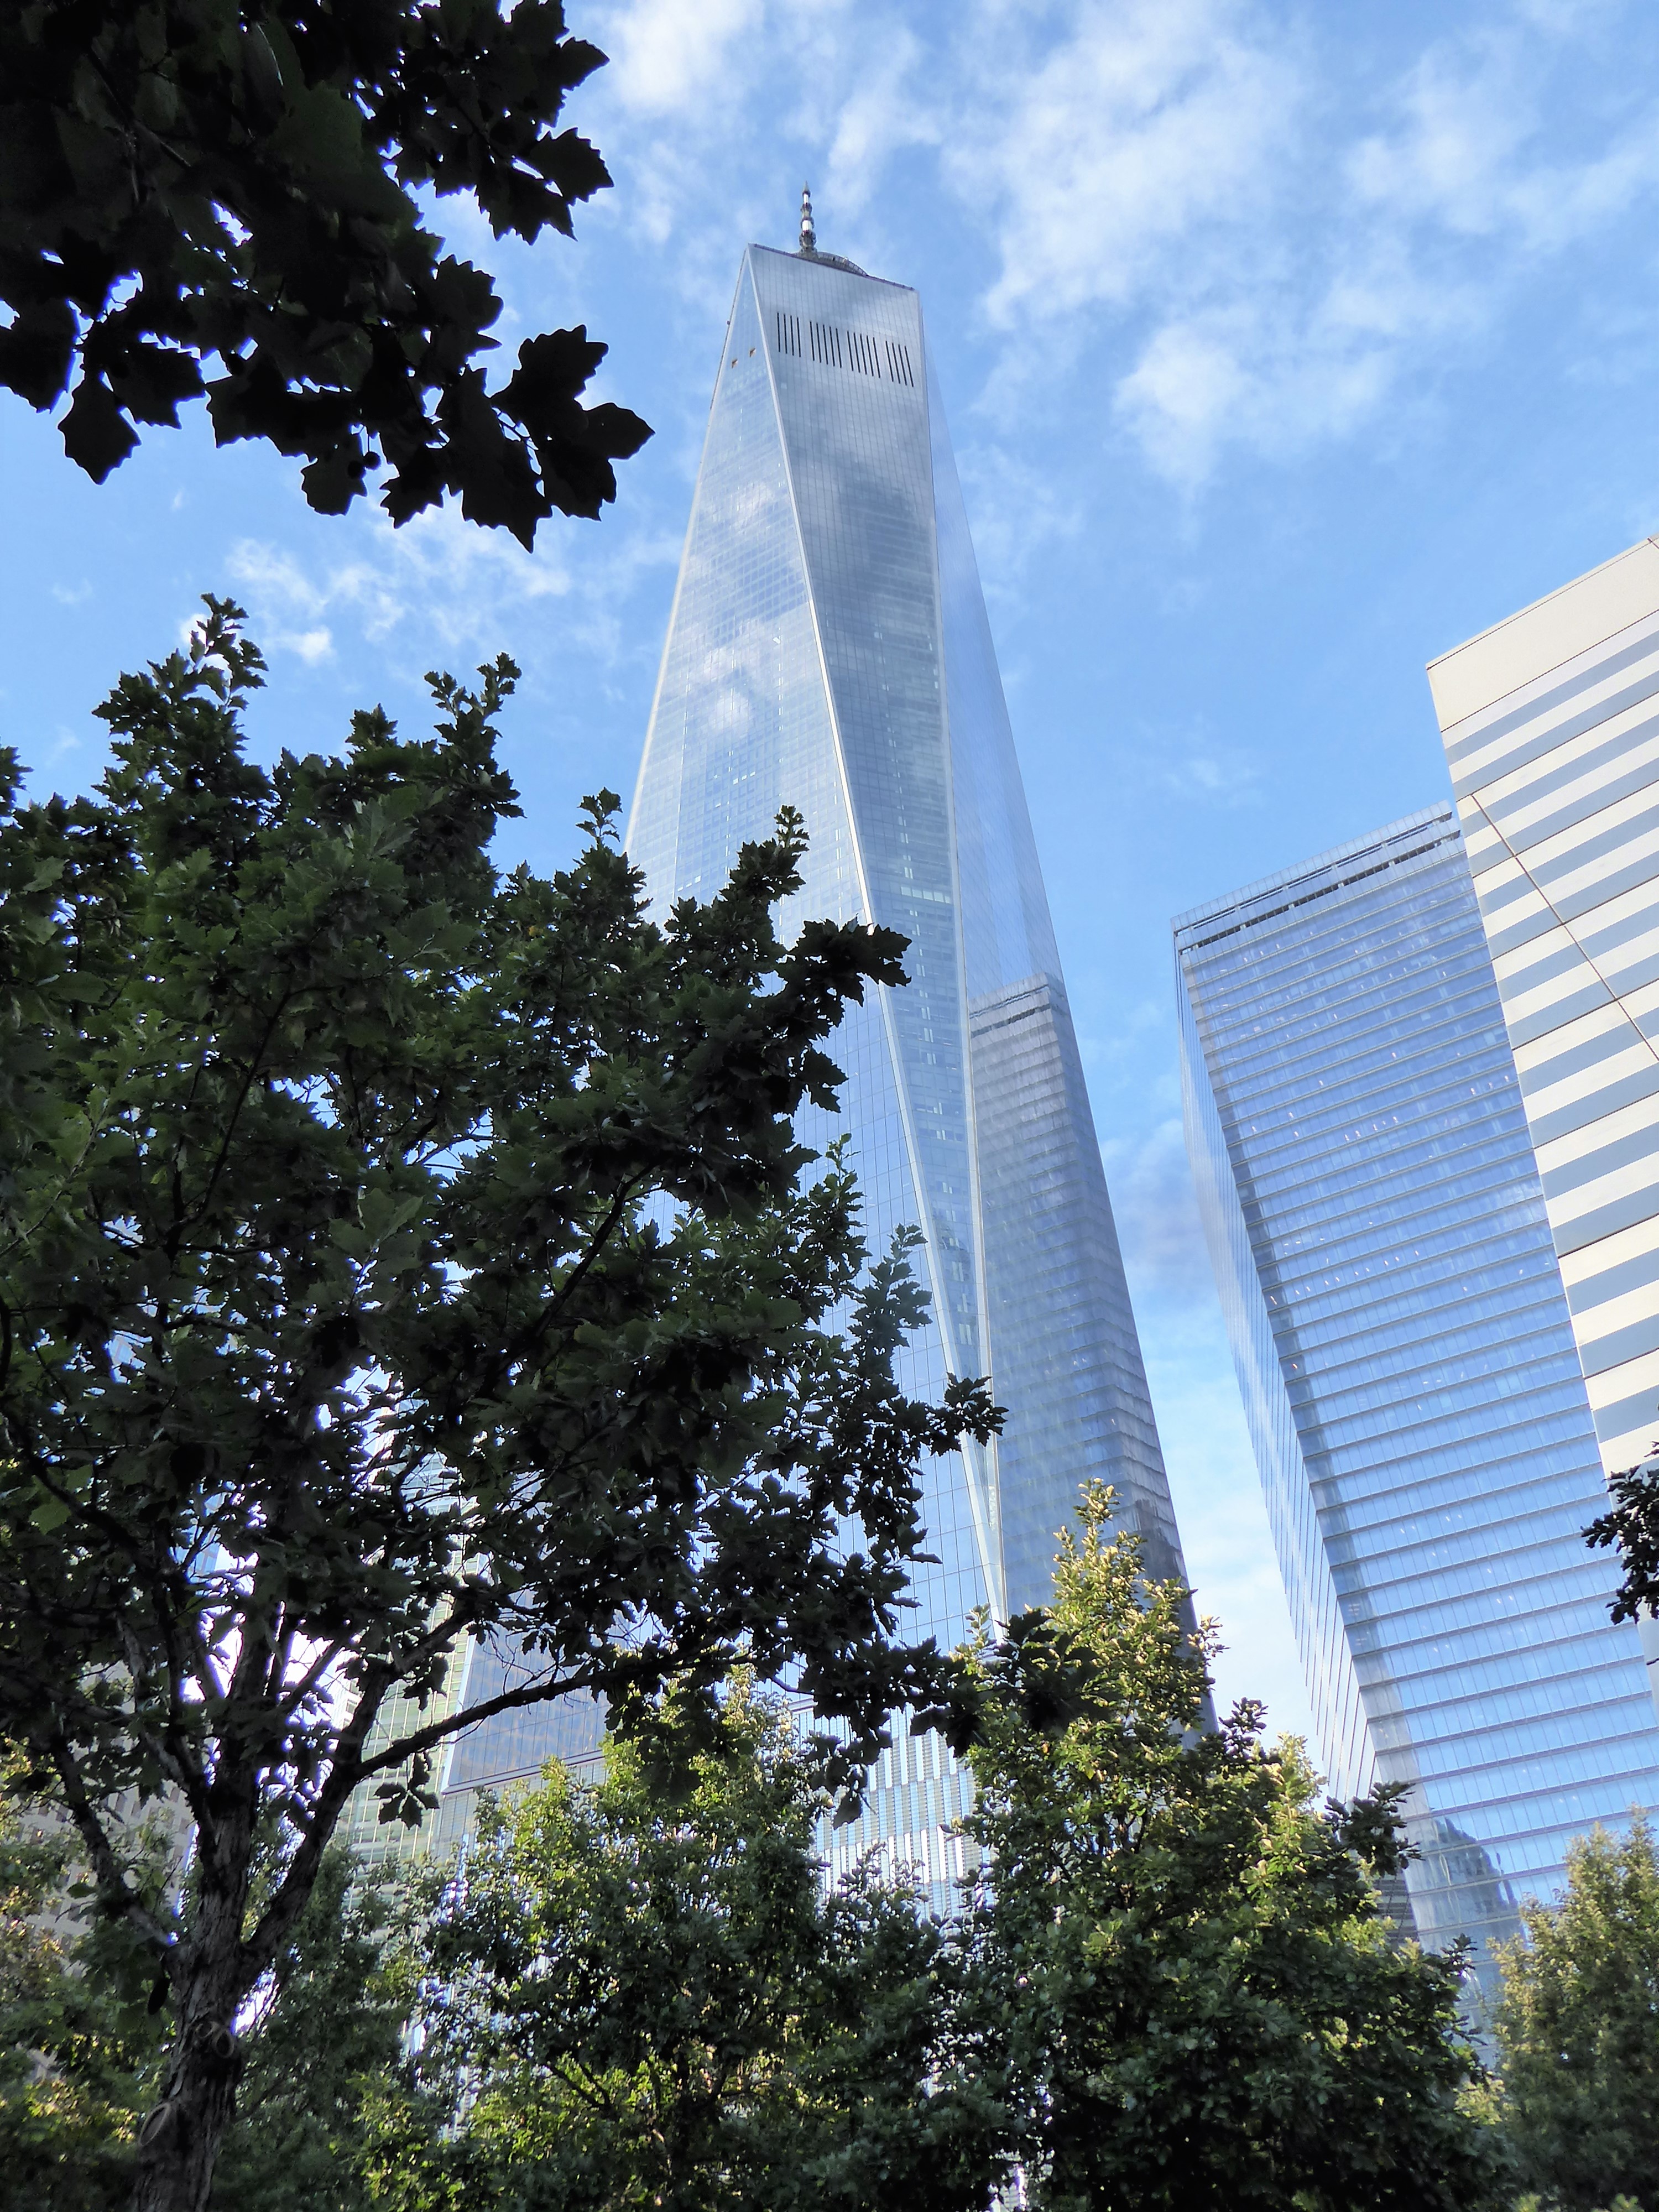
[(829, 650)]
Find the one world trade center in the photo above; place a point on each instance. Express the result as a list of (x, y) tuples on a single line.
[(829, 650)]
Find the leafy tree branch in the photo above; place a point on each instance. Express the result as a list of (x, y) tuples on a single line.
[(186, 181), (399, 1253)]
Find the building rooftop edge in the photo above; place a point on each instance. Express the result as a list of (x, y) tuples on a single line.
[(1302, 871), (1533, 606), (829, 261)]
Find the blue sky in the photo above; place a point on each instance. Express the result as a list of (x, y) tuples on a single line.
[(1283, 348)]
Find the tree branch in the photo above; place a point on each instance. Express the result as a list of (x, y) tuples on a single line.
[(100, 1852), (423, 1739)]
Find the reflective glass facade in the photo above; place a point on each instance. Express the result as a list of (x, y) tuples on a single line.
[(1406, 1353), (829, 649)]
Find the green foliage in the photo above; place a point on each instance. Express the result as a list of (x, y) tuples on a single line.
[(1177, 1978), (391, 1253), (1632, 1529), (659, 2005), (80, 2046), (182, 179), (323, 2060), (1578, 2029)]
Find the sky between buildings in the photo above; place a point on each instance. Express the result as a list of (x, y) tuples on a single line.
[(1283, 348)]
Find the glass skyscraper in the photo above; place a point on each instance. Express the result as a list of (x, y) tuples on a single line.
[(829, 649), (1406, 1353)]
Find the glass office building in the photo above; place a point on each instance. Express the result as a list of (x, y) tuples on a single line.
[(1406, 1352), (829, 649)]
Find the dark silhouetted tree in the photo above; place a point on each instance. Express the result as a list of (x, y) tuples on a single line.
[(392, 1253), (186, 182)]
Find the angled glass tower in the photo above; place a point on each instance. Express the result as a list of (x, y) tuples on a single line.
[(829, 649), (1405, 1347)]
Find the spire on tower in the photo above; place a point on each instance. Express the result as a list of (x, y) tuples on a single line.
[(809, 237)]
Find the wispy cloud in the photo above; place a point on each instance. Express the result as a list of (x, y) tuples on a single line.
[(1120, 135), (285, 601), (1276, 252), (668, 55), (1213, 776), (1255, 232), (1156, 1211), (439, 588)]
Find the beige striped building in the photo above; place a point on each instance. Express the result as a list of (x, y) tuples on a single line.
[(1551, 722)]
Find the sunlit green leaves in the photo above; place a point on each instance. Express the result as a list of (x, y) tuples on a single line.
[(648, 1997), (1579, 2028), (1178, 1974)]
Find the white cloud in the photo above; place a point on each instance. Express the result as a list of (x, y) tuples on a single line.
[(311, 645), (1254, 229), (886, 110), (1215, 775), (1144, 122), (1015, 506), (666, 54), (1277, 373), (1277, 252), (1468, 150), (440, 592), (1156, 1211), (282, 598), (1462, 120), (439, 578)]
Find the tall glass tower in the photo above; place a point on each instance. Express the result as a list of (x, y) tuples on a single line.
[(829, 649), (1405, 1347)]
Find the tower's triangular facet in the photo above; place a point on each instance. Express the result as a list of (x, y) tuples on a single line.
[(828, 648)]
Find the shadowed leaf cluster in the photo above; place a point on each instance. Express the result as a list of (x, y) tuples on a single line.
[(391, 1254), (188, 181)]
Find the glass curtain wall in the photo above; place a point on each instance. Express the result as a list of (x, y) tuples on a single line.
[(1406, 1354), (828, 648)]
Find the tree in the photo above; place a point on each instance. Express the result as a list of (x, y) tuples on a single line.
[(325, 2058), (659, 2003), (1632, 1528), (182, 180), (80, 2048), (391, 1254), (1578, 2027), (1177, 1978)]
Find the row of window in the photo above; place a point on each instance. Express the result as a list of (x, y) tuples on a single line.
[(833, 345), (1448, 1602)]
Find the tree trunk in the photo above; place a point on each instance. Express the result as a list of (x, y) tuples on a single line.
[(179, 2142)]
